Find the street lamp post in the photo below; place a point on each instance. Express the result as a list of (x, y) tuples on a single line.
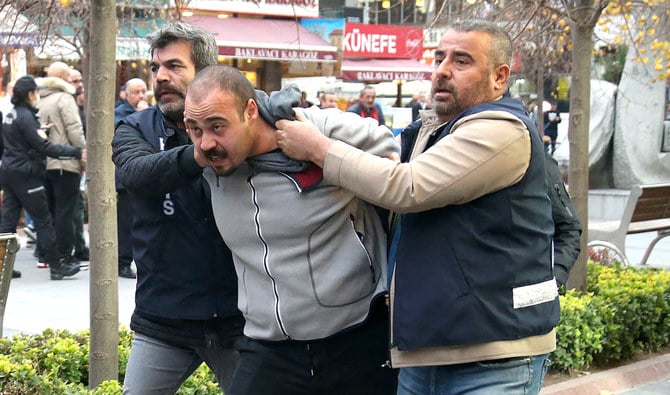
[(366, 12)]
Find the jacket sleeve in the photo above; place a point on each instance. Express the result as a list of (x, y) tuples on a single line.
[(46, 147), (567, 228), (146, 171), (483, 154), (74, 129), (380, 112), (363, 133)]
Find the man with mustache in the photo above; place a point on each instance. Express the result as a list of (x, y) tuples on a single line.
[(474, 301), (186, 296), (367, 107)]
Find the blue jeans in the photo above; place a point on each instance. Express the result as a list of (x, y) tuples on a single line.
[(512, 376), (156, 367)]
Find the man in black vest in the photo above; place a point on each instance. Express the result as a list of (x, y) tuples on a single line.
[(186, 296), (474, 299)]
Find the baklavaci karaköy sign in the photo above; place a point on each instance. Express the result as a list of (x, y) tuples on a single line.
[(385, 70)]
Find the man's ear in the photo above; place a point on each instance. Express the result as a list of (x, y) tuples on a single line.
[(251, 110), (500, 77)]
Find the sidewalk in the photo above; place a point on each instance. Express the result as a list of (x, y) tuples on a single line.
[(651, 376), (35, 302)]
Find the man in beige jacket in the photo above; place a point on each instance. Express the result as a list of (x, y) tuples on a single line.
[(474, 299), (58, 107)]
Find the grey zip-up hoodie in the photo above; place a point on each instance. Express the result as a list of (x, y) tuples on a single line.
[(309, 256)]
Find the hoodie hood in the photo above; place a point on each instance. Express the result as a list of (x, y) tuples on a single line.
[(279, 104), (51, 85)]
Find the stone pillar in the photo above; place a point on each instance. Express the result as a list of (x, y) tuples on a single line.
[(638, 134), (271, 76)]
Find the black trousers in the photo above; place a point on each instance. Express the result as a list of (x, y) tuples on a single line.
[(349, 363), (79, 238), (29, 193), (63, 194), (124, 223)]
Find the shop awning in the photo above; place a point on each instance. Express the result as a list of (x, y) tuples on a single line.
[(131, 42), (65, 49), (384, 70), (265, 39)]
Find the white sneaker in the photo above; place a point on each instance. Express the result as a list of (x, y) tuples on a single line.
[(83, 265)]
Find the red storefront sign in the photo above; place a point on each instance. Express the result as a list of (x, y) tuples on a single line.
[(381, 41)]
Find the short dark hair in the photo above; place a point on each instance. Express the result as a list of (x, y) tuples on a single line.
[(501, 42), (204, 51), (227, 79), (22, 89)]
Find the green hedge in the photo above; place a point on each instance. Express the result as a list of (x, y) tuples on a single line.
[(625, 311), (56, 362)]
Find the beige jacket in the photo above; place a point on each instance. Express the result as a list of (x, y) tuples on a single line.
[(484, 153), (58, 106)]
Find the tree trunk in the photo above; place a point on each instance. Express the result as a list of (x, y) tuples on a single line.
[(539, 83), (578, 134), (104, 292)]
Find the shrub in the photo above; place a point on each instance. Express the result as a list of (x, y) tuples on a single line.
[(56, 362), (640, 300), (626, 310), (580, 332)]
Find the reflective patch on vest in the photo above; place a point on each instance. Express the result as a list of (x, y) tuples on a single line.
[(534, 294)]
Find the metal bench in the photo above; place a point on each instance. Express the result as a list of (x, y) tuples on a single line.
[(9, 246), (647, 210)]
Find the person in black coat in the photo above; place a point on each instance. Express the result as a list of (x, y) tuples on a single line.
[(186, 296), (23, 169), (567, 228), (551, 120), (418, 105), (136, 94)]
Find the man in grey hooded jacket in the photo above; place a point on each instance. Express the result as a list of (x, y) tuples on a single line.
[(310, 257)]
